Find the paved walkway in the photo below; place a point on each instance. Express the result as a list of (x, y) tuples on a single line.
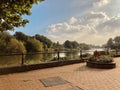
[(76, 75)]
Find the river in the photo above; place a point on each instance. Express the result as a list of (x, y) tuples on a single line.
[(14, 60)]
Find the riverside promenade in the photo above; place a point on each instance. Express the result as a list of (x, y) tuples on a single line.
[(69, 77)]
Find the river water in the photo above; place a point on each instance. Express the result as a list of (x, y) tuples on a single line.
[(14, 60)]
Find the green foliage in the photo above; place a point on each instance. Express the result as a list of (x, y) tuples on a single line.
[(33, 45), (86, 55), (84, 46), (117, 39), (8, 44), (113, 43), (110, 43), (21, 36), (101, 59), (58, 47), (47, 43), (15, 46), (71, 44), (11, 12), (68, 44), (104, 52), (75, 45)]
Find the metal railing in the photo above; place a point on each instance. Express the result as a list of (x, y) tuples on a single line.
[(55, 56)]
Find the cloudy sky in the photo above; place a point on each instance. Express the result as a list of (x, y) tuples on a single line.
[(85, 21)]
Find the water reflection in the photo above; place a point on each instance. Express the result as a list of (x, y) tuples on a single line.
[(10, 60), (14, 60), (33, 59)]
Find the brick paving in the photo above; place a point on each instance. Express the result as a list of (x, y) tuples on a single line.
[(76, 75)]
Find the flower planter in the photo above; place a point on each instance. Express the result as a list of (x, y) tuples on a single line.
[(93, 64)]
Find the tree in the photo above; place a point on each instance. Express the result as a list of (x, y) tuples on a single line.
[(9, 44), (117, 42), (117, 39), (110, 43), (21, 36), (5, 36), (46, 42), (15, 46), (84, 46), (68, 44), (33, 45), (75, 44), (11, 12)]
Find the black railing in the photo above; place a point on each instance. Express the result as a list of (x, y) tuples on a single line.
[(55, 56)]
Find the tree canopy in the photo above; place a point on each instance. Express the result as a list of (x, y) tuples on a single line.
[(11, 12), (47, 42), (113, 43), (9, 44)]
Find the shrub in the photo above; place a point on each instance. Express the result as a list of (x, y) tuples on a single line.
[(101, 59), (86, 55)]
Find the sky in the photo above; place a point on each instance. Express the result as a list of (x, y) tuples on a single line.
[(84, 21)]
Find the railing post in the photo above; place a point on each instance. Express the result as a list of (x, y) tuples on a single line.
[(81, 54), (58, 54), (22, 62)]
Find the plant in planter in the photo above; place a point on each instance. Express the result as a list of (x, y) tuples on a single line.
[(101, 59)]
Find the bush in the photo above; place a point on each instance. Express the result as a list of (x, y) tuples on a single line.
[(103, 53), (86, 55), (101, 59)]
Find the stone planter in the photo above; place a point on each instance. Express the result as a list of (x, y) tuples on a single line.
[(101, 65)]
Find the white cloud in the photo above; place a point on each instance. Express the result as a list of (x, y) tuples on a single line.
[(94, 25), (73, 20), (101, 3), (111, 26), (93, 28)]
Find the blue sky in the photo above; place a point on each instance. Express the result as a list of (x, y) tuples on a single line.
[(85, 21)]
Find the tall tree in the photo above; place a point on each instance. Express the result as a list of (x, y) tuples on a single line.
[(68, 44), (47, 42), (11, 12), (110, 43), (75, 44), (117, 39), (84, 46), (33, 45), (21, 36), (9, 44)]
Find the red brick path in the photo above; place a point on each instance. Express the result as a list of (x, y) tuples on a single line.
[(77, 75)]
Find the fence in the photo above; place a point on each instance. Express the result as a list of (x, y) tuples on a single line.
[(16, 59)]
